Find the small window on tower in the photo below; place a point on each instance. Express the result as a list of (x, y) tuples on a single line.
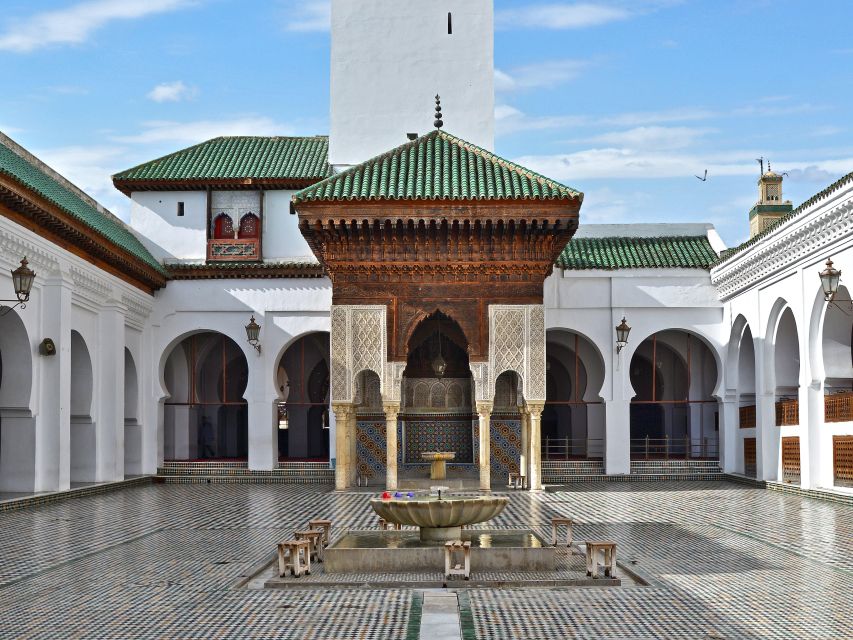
[(449, 23), (180, 209)]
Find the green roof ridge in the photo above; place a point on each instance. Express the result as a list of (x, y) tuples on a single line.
[(622, 252), (436, 166), (237, 157), (27, 169)]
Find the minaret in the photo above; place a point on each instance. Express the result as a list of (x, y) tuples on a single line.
[(770, 206)]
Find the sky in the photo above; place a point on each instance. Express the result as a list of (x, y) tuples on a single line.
[(627, 101)]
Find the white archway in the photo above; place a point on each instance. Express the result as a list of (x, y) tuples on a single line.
[(205, 415), (573, 421), (17, 427), (83, 434), (132, 428)]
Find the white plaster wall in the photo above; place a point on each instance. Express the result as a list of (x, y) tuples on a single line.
[(282, 238), (388, 61), (154, 215)]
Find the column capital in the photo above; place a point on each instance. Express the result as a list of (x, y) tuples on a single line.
[(391, 409), (484, 408), (342, 409), (534, 408)]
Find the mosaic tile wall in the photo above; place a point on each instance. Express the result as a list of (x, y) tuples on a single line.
[(370, 447), (443, 435), (506, 447)]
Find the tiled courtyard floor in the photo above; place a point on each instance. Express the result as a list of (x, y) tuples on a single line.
[(161, 561)]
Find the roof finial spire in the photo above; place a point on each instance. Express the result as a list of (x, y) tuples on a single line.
[(439, 123)]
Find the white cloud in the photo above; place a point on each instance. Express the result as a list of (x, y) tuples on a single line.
[(172, 92), (75, 24), (537, 76), (652, 137), (560, 16), (620, 163), (200, 130), (315, 15)]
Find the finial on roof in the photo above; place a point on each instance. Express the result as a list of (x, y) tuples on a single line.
[(439, 123)]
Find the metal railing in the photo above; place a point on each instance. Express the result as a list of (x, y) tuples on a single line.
[(572, 448), (667, 448)]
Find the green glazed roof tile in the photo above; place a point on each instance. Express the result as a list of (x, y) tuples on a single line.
[(235, 157), (437, 166), (103, 222), (638, 253)]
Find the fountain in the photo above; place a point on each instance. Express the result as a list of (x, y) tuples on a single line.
[(440, 519)]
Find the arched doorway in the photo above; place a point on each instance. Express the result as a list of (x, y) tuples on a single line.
[(838, 388), (303, 410), (505, 426), (747, 453), (83, 435), (132, 428), (573, 418), (17, 429), (674, 414), (786, 368), (206, 416), (437, 406)]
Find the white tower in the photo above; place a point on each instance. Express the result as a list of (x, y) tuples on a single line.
[(389, 60)]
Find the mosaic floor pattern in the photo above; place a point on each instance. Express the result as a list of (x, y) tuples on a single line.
[(723, 561)]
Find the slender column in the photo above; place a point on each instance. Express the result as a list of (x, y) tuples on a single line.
[(484, 410), (352, 442), (391, 410), (768, 458), (727, 433), (342, 411), (617, 437), (534, 482), (524, 459)]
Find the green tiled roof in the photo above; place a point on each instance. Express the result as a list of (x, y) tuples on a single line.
[(638, 253), (235, 157), (728, 253), (102, 222), (437, 166)]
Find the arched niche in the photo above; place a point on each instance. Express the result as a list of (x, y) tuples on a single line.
[(674, 413), (205, 415), (302, 379), (573, 420), (83, 434), (786, 369), (17, 426)]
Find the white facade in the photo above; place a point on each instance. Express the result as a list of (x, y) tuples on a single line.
[(154, 214), (76, 416), (390, 59)]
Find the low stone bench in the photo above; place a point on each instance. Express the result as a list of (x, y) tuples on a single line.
[(556, 523), (516, 481), (389, 526), (315, 538), (607, 552), (322, 525), (294, 555), (452, 568)]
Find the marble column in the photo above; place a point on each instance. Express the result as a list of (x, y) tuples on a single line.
[(524, 458), (391, 411), (342, 412), (534, 481), (352, 446), (484, 409)]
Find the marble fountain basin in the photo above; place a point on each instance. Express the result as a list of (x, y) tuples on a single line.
[(439, 519)]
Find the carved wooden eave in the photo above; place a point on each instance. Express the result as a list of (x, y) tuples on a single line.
[(30, 210), (416, 257), (128, 186)]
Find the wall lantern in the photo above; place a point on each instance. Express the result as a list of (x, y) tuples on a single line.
[(829, 279), (622, 331), (22, 281), (283, 422), (253, 333)]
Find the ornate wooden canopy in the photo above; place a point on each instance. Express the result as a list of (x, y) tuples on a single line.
[(456, 256)]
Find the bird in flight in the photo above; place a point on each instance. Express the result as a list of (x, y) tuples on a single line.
[(703, 179)]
